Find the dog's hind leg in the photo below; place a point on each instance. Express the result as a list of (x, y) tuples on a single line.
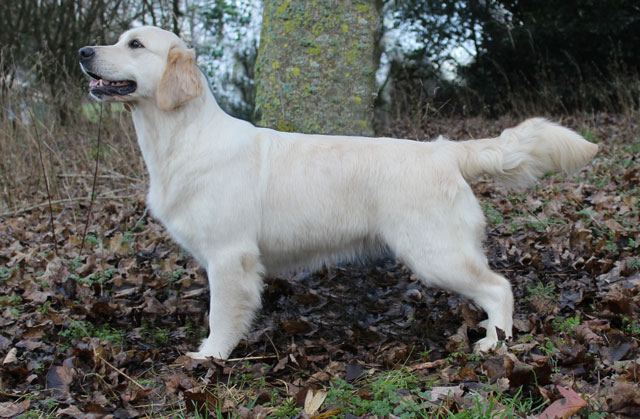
[(468, 275), (235, 284), (496, 299), (444, 248)]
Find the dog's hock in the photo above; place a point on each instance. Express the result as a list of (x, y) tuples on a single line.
[(181, 81)]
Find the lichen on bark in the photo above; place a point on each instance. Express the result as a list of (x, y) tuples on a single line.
[(315, 70)]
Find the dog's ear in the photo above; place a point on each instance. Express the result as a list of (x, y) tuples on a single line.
[(181, 80)]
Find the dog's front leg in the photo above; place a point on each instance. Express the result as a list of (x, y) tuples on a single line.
[(235, 284)]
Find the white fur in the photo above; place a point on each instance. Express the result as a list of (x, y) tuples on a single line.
[(248, 202)]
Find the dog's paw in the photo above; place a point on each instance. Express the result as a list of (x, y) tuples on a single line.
[(208, 349), (198, 355), (485, 345), (205, 355)]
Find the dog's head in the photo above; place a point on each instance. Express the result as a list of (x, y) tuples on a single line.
[(146, 63)]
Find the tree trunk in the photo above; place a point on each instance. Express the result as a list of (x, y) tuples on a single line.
[(315, 71)]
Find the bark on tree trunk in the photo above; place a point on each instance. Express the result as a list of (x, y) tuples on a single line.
[(315, 70)]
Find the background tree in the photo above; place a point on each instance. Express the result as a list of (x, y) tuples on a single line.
[(40, 40), (227, 34), (319, 58), (316, 64), (524, 55)]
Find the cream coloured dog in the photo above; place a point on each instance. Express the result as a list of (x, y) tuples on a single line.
[(248, 201)]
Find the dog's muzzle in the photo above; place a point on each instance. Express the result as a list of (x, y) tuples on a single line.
[(100, 86)]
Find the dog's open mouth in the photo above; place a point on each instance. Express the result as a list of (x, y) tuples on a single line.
[(102, 87)]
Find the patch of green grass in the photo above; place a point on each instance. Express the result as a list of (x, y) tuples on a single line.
[(105, 332), (96, 277), (79, 329), (389, 393), (537, 225), (36, 414), (541, 225), (611, 247), (514, 226), (403, 394), (488, 406), (46, 410), (13, 303), (127, 237), (631, 326), (520, 222), (632, 149), (160, 335), (286, 409), (550, 349), (147, 382), (176, 275), (546, 291), (93, 241), (157, 334), (140, 226), (589, 135), (456, 355), (494, 217), (195, 331), (566, 325), (75, 263), (521, 404), (44, 308), (6, 273), (10, 300)]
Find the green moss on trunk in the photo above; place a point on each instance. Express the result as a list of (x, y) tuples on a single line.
[(315, 70)]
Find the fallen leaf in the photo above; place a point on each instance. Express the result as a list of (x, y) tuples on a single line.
[(296, 327), (59, 378), (565, 407), (281, 364), (201, 401), (438, 394), (313, 401), (11, 356), (12, 409), (354, 370), (427, 365), (71, 411)]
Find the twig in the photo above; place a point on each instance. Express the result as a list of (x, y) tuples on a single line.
[(93, 187), (46, 182), (119, 371), (74, 175), (96, 354), (141, 219), (62, 201)]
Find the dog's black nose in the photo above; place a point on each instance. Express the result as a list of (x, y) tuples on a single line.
[(86, 53)]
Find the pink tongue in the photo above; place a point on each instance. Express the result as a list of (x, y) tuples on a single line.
[(94, 83)]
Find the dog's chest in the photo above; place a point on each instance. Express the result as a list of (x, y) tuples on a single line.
[(177, 216)]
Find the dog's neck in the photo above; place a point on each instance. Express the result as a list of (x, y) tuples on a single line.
[(161, 133)]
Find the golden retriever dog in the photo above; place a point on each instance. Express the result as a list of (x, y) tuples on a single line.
[(248, 202)]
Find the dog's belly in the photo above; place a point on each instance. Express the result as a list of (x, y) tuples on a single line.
[(311, 253)]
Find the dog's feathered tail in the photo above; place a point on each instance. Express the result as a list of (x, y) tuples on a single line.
[(521, 155)]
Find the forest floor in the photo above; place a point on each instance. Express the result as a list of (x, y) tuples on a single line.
[(103, 332)]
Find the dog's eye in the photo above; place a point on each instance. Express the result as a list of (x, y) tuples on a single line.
[(135, 44)]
